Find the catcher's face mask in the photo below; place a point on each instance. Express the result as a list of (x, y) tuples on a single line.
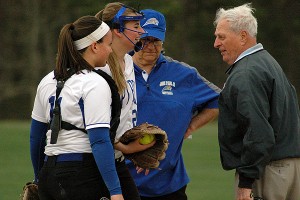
[(118, 22)]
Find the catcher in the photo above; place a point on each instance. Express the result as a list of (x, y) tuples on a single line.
[(150, 157), (146, 159)]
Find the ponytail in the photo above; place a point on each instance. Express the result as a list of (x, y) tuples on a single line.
[(69, 60)]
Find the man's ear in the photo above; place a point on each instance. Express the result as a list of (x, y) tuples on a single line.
[(244, 37)]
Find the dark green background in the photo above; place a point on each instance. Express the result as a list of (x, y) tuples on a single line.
[(29, 30)]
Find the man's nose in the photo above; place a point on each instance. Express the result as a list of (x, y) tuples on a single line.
[(217, 43)]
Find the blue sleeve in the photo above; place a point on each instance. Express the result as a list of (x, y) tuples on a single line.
[(38, 132), (213, 103), (206, 93), (104, 157)]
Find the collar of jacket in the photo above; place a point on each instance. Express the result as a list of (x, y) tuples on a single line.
[(251, 50)]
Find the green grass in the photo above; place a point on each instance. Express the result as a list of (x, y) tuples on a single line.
[(15, 164), (201, 155)]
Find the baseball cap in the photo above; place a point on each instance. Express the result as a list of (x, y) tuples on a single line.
[(154, 24)]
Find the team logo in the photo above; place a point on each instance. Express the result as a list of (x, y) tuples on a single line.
[(153, 21), (104, 198), (167, 87)]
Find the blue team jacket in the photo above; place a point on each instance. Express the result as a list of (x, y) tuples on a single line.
[(173, 92)]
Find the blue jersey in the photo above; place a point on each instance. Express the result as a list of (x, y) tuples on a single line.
[(170, 96)]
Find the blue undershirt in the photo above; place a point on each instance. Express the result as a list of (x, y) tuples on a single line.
[(103, 151)]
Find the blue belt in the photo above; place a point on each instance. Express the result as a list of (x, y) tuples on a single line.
[(74, 157), (69, 157)]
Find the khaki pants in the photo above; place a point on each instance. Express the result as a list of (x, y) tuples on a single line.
[(280, 181)]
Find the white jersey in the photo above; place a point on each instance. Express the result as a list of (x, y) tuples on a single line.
[(128, 98), (85, 103)]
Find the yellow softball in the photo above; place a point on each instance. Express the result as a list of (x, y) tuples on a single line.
[(147, 139)]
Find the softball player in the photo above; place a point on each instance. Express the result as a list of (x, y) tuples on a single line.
[(72, 163), (125, 26)]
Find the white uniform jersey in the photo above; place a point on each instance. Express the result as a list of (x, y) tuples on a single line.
[(85, 102), (128, 98)]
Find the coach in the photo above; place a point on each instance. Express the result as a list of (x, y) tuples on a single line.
[(169, 92), (259, 124)]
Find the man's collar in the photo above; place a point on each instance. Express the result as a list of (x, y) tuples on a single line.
[(247, 52)]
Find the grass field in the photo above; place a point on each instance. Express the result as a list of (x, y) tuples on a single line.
[(201, 155)]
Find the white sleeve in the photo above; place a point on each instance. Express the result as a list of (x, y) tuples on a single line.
[(38, 109), (97, 103), (45, 90)]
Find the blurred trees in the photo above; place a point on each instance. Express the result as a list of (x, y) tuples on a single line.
[(29, 30)]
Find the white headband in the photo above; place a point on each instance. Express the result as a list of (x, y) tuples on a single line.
[(93, 37)]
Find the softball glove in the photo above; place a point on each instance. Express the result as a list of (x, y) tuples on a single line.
[(151, 157), (30, 192)]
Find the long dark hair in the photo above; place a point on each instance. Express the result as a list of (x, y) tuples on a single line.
[(69, 60)]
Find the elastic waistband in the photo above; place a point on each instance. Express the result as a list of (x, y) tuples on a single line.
[(69, 157)]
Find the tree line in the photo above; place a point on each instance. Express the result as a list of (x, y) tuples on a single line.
[(29, 31)]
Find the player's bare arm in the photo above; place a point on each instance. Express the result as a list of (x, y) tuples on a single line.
[(199, 120)]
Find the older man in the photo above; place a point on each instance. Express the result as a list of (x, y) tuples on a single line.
[(259, 124)]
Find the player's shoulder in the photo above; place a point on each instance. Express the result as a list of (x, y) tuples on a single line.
[(180, 65), (87, 77), (48, 79), (129, 68), (106, 69), (128, 61), (85, 81)]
